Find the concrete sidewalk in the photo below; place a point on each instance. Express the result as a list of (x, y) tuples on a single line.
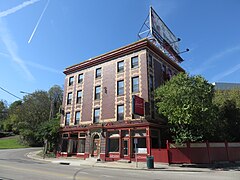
[(122, 165)]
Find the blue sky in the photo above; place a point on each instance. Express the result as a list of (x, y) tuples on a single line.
[(34, 51)]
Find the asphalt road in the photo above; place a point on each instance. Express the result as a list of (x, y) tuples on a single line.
[(15, 165)]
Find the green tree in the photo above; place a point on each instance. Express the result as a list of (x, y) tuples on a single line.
[(11, 121), (3, 113), (35, 110), (55, 96), (49, 130), (227, 126), (186, 101)]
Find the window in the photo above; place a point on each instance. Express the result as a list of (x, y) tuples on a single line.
[(64, 145), (71, 79), (141, 144), (120, 66), (120, 112), (113, 145), (67, 119), (96, 115), (97, 92), (79, 96), (151, 82), (69, 98), (98, 72), (120, 87), (134, 62), (81, 147), (135, 84), (80, 78), (150, 61), (77, 118)]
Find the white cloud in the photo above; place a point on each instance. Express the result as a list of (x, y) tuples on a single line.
[(226, 73), (42, 67), (12, 49), (17, 8), (209, 62), (35, 65)]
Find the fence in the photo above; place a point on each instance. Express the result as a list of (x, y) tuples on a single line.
[(208, 152)]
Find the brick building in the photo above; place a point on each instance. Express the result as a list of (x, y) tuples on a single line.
[(98, 114)]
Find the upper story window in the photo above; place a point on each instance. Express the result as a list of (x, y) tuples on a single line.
[(80, 78), (79, 96), (98, 72), (151, 82), (77, 118), (120, 66), (97, 92), (120, 87), (135, 84), (120, 112), (67, 119), (96, 115), (71, 79), (69, 98), (150, 60), (134, 62)]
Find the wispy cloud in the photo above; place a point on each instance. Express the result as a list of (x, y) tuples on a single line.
[(35, 65), (209, 62), (17, 8), (42, 67), (226, 73), (12, 49)]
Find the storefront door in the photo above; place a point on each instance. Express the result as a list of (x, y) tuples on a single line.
[(96, 146), (125, 147)]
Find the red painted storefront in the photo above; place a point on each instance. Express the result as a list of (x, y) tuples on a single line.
[(111, 142)]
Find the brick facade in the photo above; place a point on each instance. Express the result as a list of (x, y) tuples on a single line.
[(108, 138)]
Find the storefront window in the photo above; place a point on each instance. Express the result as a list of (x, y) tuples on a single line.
[(64, 145), (81, 147), (141, 145), (113, 145)]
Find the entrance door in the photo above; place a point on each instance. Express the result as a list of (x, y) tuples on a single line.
[(96, 146), (125, 147)]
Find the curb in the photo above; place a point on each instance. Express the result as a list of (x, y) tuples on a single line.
[(180, 168)]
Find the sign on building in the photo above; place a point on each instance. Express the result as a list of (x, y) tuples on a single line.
[(138, 105)]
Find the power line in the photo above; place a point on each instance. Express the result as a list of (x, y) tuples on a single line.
[(10, 93)]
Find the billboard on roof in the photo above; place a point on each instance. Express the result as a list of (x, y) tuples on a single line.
[(161, 32)]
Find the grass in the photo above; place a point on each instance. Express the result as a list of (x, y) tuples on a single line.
[(11, 143)]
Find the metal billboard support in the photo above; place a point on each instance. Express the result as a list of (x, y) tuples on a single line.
[(168, 48)]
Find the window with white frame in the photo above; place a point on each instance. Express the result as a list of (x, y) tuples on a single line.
[(80, 78), (67, 119), (69, 98), (134, 62), (120, 88), (77, 118)]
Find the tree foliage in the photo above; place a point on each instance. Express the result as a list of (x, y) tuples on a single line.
[(227, 127), (35, 117), (11, 120), (186, 101), (34, 111)]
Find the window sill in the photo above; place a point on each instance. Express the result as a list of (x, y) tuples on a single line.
[(121, 95), (134, 67)]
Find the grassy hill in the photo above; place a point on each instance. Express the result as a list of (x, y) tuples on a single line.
[(11, 142)]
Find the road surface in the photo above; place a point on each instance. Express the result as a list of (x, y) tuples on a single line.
[(14, 165)]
